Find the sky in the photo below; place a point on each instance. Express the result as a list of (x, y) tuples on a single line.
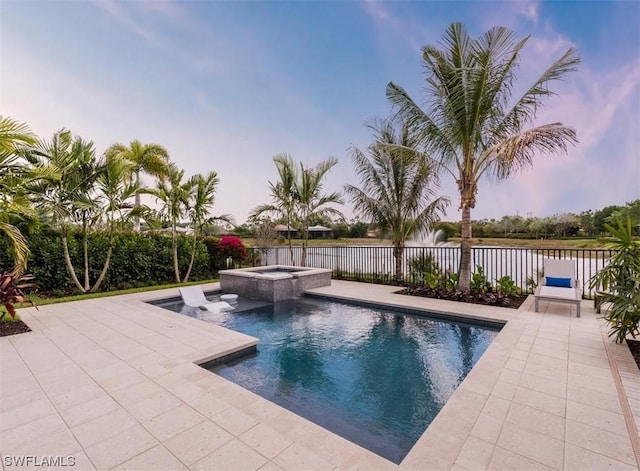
[(226, 85)]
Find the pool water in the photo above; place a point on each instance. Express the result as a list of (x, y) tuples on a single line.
[(374, 376)]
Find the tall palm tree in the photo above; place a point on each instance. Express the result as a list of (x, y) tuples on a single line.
[(283, 196), (173, 193), (310, 201), (71, 200), (473, 127), (151, 159), (115, 189), (398, 187), (199, 205)]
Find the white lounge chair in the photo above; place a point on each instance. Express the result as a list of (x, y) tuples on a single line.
[(560, 283), (193, 296)]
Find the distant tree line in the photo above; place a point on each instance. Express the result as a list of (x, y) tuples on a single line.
[(586, 224)]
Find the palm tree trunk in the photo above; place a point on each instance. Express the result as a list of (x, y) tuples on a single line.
[(136, 220), (67, 260), (289, 240), (398, 252), (103, 273), (305, 242), (174, 247), (107, 261), (85, 253), (193, 256), (464, 281)]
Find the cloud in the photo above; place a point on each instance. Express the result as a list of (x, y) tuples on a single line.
[(391, 24), (117, 12), (226, 97), (603, 168), (527, 9)]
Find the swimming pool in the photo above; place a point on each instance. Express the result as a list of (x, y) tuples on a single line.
[(375, 376)]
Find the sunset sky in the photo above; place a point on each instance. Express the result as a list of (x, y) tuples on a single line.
[(226, 85)]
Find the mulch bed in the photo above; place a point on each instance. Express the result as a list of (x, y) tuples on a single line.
[(12, 328), (634, 346), (487, 299)]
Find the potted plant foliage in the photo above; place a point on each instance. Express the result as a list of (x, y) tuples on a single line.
[(618, 283)]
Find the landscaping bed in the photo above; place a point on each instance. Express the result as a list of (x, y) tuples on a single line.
[(486, 298), (13, 327)]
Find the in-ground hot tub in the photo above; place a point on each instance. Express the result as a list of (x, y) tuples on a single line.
[(273, 283)]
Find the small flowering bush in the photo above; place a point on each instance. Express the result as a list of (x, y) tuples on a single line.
[(232, 247)]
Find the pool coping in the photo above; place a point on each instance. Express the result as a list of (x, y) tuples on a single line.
[(542, 370)]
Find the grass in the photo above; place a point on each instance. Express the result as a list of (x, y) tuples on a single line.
[(39, 301), (538, 243)]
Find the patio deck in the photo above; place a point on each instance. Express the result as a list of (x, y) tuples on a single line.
[(113, 383)]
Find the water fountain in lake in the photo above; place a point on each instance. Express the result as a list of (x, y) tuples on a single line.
[(430, 239)]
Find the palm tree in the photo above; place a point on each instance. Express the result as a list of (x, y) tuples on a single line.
[(200, 203), (115, 189), (398, 187), (310, 201), (472, 127), (173, 193), (151, 159), (71, 199), (13, 173), (282, 195), (84, 175)]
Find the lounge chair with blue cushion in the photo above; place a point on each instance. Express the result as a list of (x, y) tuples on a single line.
[(193, 296), (560, 283)]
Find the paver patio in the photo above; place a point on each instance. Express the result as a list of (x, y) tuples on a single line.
[(113, 383)]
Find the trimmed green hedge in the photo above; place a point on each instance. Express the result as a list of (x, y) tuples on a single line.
[(137, 260)]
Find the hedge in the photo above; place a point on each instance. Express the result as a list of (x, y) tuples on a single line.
[(137, 259)]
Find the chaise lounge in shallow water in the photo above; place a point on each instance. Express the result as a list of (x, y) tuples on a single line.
[(560, 283), (193, 296)]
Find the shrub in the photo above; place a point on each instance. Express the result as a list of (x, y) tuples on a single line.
[(424, 263), (479, 281), (506, 286), (12, 291), (426, 269), (232, 247), (449, 279), (138, 259)]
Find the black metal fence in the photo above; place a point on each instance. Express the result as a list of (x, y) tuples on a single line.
[(377, 264)]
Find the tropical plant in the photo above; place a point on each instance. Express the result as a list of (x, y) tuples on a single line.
[(310, 202), (12, 291), (449, 279), (115, 189), (282, 196), (426, 268), (472, 127), (618, 282), (174, 195), (152, 159), (397, 187), (479, 281), (70, 200), (424, 263), (506, 286), (199, 204), (13, 201)]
